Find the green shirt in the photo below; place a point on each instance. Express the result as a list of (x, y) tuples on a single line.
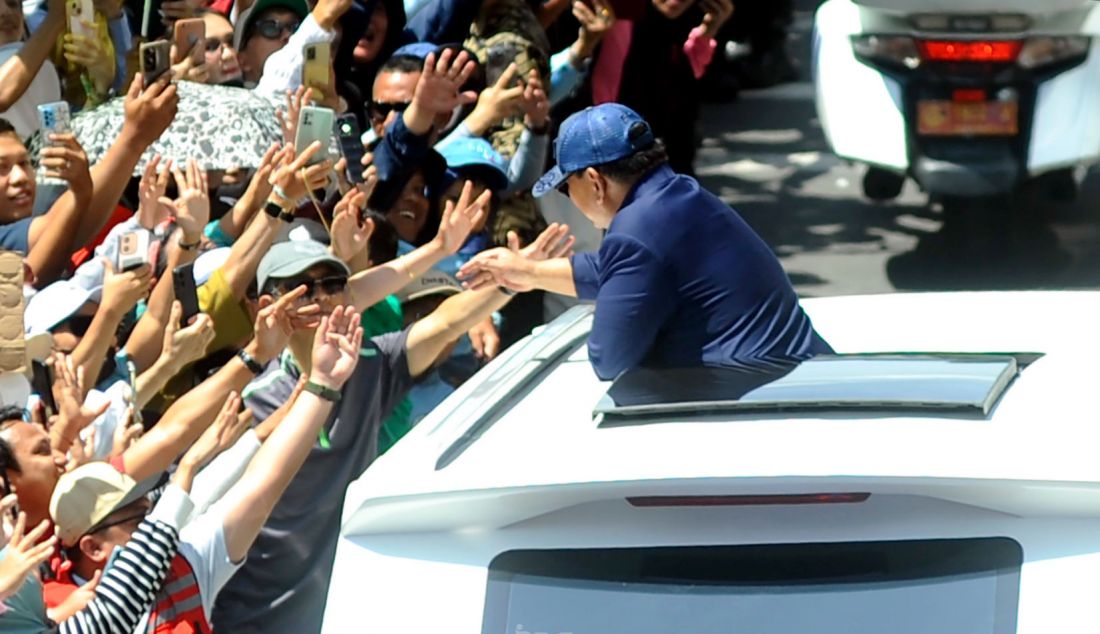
[(383, 317)]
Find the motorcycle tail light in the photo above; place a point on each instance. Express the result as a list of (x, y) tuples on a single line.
[(1044, 51), (970, 50), (897, 50)]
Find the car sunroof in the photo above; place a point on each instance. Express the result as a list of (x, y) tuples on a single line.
[(944, 384)]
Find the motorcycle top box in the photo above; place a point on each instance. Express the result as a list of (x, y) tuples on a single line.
[(969, 98)]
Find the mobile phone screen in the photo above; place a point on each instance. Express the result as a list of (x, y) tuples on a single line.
[(351, 146)]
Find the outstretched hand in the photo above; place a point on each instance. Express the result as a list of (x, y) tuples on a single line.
[(438, 89), (24, 555), (275, 324), (349, 231), (336, 348), (153, 207), (513, 267), (460, 218)]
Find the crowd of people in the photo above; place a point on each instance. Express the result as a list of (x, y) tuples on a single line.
[(211, 352)]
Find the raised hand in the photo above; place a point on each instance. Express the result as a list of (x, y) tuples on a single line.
[(24, 555), (69, 392), (715, 14), (186, 68), (192, 203), (275, 323), (122, 291), (65, 159), (555, 241), (535, 102), (226, 430), (288, 119), (126, 435), (460, 218), (512, 267), (350, 233), (151, 209), (90, 54), (259, 188), (437, 90), (149, 109), (497, 102), (183, 346), (595, 23), (336, 348), (293, 177), (8, 505)]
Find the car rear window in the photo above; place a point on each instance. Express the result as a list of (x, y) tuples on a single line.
[(967, 586)]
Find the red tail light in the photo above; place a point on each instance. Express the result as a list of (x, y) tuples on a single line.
[(748, 500), (970, 51)]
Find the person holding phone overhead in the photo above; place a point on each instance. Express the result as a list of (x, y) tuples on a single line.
[(679, 280)]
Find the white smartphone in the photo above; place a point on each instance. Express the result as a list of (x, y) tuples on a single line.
[(55, 118), (133, 250), (78, 12), (315, 124)]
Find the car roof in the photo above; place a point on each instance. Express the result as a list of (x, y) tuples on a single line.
[(543, 436)]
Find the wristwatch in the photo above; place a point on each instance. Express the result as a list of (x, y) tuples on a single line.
[(252, 364), (273, 208), (327, 393)]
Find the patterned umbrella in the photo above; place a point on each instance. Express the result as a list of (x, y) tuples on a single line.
[(219, 126)]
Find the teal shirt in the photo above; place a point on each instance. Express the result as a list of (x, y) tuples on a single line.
[(26, 610)]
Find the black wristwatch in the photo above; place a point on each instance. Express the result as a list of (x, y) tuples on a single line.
[(273, 209), (327, 393), (252, 364)]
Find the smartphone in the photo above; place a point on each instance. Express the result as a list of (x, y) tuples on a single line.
[(133, 250), (183, 280), (154, 60), (351, 146), (42, 384), (315, 124), (78, 12), (54, 118), (187, 34), (316, 68)]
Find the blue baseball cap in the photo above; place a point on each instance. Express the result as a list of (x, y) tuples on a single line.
[(476, 152), (595, 136), (419, 50)]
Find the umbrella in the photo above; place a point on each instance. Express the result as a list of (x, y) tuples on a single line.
[(219, 126)]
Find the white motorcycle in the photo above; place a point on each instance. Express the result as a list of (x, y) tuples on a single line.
[(970, 98)]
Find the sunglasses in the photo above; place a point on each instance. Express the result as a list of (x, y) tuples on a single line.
[(379, 110), (332, 285), (272, 29)]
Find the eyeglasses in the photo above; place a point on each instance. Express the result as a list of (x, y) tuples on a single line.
[(272, 29), (213, 44), (137, 517), (332, 285), (379, 110)]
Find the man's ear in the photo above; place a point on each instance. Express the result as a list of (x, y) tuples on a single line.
[(598, 182), (93, 550)]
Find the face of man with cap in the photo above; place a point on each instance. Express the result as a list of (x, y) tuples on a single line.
[(93, 549), (259, 46)]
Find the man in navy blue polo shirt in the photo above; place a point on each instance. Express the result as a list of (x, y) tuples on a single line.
[(679, 280)]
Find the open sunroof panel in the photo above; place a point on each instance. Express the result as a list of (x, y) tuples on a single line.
[(966, 384)]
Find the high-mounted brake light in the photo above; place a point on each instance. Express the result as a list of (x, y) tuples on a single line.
[(748, 500), (970, 51)]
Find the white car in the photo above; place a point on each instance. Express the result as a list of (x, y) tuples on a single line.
[(952, 489)]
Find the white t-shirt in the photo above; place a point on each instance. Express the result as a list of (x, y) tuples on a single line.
[(44, 88)]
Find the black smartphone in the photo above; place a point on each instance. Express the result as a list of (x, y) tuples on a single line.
[(351, 146), (42, 384), (183, 280)]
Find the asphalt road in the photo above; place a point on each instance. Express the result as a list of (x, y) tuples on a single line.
[(765, 154)]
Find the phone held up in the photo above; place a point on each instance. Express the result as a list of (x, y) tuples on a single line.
[(316, 67), (54, 118), (187, 34), (80, 13), (315, 124), (154, 60), (133, 251), (183, 281), (351, 146)]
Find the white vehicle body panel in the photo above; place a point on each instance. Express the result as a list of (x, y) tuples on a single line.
[(417, 540)]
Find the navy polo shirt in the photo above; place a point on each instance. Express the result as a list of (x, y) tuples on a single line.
[(681, 280)]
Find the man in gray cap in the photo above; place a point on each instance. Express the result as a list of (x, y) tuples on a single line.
[(284, 582)]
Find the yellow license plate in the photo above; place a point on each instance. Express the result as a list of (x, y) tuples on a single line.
[(980, 118)]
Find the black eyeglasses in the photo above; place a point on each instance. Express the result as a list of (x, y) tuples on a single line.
[(332, 285), (379, 110), (272, 29)]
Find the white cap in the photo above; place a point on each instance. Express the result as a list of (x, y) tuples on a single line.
[(56, 303)]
